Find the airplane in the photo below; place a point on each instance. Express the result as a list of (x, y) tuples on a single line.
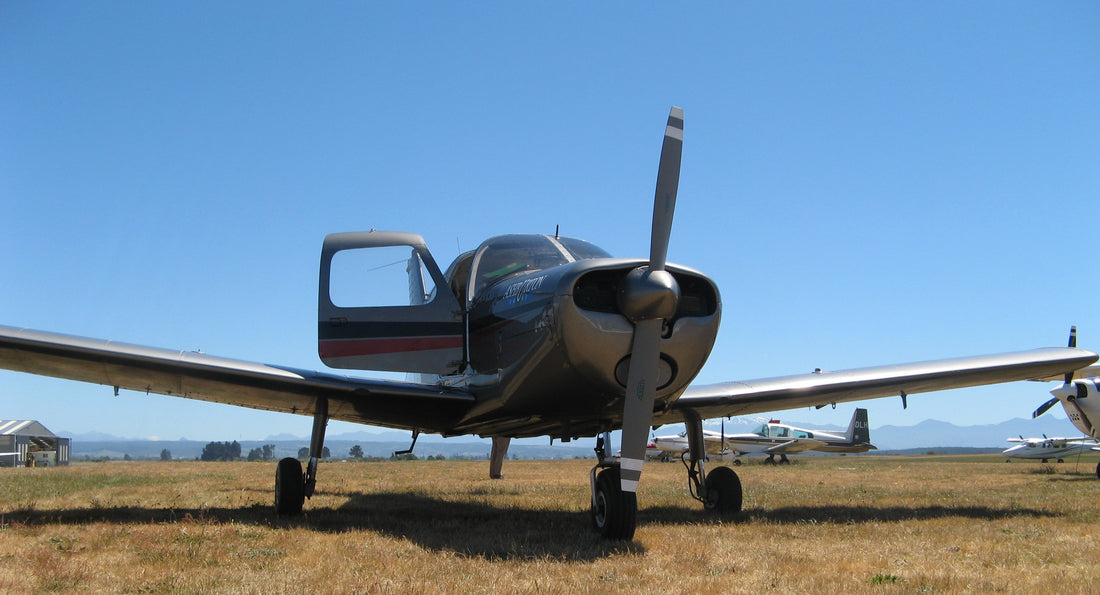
[(1079, 395), (1049, 448), (775, 438), (528, 335)]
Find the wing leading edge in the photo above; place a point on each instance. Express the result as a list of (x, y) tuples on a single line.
[(824, 388), (195, 375)]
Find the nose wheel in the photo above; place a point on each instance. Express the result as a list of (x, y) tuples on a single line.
[(614, 512)]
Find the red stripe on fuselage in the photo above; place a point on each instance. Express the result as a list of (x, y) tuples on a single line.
[(358, 347)]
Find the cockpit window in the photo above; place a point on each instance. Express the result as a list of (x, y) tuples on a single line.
[(761, 430), (504, 256), (581, 249)]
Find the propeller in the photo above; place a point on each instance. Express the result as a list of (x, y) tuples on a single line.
[(647, 298), (1067, 389), (1072, 343), (1043, 408)]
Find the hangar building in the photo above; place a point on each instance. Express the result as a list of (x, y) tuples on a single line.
[(23, 440)]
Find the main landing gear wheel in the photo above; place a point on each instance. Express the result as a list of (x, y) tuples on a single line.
[(614, 512), (1098, 470), (723, 491), (290, 487)]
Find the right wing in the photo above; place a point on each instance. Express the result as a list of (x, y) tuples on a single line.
[(825, 388), (193, 375)]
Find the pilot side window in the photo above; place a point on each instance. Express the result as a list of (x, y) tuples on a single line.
[(386, 276)]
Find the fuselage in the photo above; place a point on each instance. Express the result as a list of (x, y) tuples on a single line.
[(769, 435), (532, 327), (1081, 401), (547, 346), (766, 439)]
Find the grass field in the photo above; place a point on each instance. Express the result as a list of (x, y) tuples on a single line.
[(861, 524)]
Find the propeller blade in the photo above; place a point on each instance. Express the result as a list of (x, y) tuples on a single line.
[(641, 388), (1072, 343), (668, 179), (1043, 408), (648, 297)]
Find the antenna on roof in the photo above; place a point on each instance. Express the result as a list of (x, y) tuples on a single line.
[(556, 229)]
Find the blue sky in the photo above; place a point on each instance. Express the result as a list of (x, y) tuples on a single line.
[(867, 182)]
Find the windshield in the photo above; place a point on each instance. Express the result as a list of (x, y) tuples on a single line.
[(581, 249), (504, 256)]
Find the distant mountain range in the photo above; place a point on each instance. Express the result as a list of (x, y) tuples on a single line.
[(381, 442)]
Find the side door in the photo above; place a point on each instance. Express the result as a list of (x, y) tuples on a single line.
[(384, 305)]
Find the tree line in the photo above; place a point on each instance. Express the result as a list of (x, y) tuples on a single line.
[(231, 451)]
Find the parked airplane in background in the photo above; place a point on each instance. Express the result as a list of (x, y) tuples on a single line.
[(1049, 448), (775, 438), (529, 335), (1079, 396)]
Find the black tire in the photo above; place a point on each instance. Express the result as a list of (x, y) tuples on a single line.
[(737, 462), (723, 491), (290, 487), (615, 513)]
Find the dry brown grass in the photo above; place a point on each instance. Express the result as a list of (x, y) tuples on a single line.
[(861, 524)]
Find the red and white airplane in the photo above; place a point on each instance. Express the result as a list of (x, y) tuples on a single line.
[(775, 438), (528, 335)]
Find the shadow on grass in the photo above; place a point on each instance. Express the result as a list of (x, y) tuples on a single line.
[(1072, 477), (494, 532), (465, 528), (887, 514)]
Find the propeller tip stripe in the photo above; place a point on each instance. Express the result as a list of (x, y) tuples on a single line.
[(675, 126)]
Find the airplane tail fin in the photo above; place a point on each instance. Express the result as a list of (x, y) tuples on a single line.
[(415, 269), (858, 430)]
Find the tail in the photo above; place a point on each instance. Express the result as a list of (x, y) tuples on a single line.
[(859, 432), (417, 296)]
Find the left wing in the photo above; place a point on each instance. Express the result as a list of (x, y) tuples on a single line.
[(824, 388), (193, 375)]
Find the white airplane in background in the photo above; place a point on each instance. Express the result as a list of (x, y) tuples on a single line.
[(1080, 397), (776, 438), (1049, 448)]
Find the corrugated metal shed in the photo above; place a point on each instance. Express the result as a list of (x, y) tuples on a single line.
[(27, 443)]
